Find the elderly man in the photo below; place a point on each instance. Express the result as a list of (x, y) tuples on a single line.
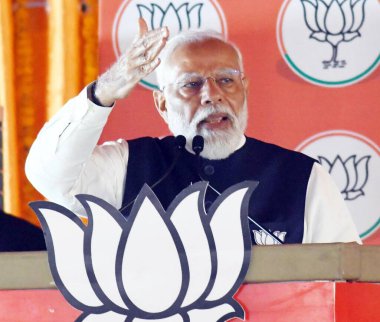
[(203, 92)]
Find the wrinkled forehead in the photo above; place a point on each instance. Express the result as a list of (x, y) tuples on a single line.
[(201, 57)]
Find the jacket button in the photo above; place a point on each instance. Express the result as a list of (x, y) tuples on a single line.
[(209, 170)]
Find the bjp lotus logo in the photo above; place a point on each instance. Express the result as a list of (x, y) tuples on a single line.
[(351, 175), (334, 22), (171, 266), (263, 238), (353, 161), (182, 17), (177, 15), (330, 42)]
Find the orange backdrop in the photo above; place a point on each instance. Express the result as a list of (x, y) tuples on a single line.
[(283, 107)]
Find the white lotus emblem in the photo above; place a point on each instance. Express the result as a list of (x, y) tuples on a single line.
[(334, 21), (262, 238), (173, 266), (350, 175)]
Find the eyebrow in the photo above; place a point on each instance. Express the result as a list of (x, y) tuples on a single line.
[(186, 76)]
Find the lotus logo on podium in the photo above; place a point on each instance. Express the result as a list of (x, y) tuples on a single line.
[(169, 266), (177, 15)]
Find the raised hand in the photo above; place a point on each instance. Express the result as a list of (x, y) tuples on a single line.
[(136, 63)]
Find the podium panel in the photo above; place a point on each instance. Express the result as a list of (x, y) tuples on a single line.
[(287, 283), (285, 302)]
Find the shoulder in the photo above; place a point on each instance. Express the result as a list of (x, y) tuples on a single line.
[(270, 150), (150, 145)]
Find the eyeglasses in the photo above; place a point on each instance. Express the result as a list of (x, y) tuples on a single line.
[(226, 79)]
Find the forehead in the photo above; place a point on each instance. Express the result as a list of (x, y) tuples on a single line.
[(202, 57)]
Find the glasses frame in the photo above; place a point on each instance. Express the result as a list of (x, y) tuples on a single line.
[(204, 79)]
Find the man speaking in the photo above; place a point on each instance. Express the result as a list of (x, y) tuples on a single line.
[(203, 94)]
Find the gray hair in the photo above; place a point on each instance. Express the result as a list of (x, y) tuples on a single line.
[(190, 37)]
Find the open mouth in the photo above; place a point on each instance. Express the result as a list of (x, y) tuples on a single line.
[(215, 119)]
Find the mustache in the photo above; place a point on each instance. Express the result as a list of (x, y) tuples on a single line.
[(205, 112)]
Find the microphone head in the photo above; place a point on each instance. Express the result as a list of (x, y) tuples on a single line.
[(198, 144), (180, 142)]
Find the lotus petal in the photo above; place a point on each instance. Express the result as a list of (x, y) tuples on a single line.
[(101, 242), (362, 171), (172, 20), (229, 225), (350, 36), (340, 174), (148, 15), (258, 237), (358, 10), (325, 163), (152, 259), (334, 20), (321, 15), (221, 312), (102, 317), (320, 36), (281, 235), (352, 195), (269, 240), (194, 15), (348, 16), (310, 16), (157, 16), (182, 13), (313, 2), (188, 216), (173, 318), (64, 237), (352, 175)]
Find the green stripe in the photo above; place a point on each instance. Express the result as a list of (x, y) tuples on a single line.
[(370, 230), (287, 57), (150, 85)]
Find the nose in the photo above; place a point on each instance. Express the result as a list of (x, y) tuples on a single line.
[(211, 93)]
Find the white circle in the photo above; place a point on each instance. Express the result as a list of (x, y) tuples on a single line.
[(177, 15), (331, 145), (305, 55)]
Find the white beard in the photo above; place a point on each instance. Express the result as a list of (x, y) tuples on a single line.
[(219, 144)]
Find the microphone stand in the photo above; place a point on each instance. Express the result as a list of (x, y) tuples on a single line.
[(180, 141), (198, 145)]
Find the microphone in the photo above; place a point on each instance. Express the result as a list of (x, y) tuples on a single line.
[(198, 144), (180, 142)]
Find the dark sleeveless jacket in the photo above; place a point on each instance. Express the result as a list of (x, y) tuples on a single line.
[(277, 204)]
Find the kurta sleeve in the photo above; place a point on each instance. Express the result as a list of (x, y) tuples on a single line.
[(65, 160), (327, 218)]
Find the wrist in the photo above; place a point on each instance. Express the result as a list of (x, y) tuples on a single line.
[(93, 95)]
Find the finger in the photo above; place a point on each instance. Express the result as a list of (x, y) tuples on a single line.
[(148, 68), (155, 50), (150, 36), (142, 55), (143, 27)]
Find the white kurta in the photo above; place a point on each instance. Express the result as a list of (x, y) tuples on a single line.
[(65, 160)]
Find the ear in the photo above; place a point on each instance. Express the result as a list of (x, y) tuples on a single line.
[(245, 82), (160, 103)]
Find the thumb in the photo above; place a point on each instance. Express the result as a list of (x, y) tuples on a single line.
[(143, 27)]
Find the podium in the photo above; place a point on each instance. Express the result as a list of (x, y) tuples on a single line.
[(287, 283)]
